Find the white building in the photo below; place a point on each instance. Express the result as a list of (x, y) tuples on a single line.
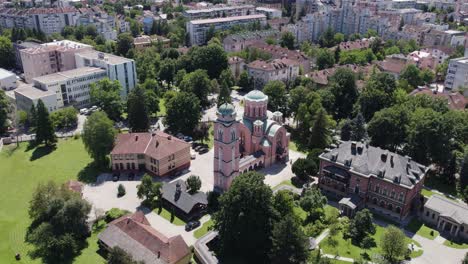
[(28, 95), (197, 28), (117, 68), (262, 72), (219, 11), (269, 12), (72, 88), (7, 80), (457, 74)]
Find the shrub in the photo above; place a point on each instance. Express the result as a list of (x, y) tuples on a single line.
[(76, 136), (115, 213), (432, 233), (65, 118), (121, 191), (314, 229)]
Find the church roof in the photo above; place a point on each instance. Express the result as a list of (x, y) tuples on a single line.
[(256, 95), (226, 109)]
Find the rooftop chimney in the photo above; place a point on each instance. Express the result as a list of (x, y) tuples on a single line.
[(136, 138)]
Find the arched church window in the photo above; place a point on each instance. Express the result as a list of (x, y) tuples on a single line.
[(220, 134), (233, 135)]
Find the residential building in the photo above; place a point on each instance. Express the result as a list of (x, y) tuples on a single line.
[(363, 176), (157, 153), (356, 44), (50, 58), (144, 41), (197, 29), (278, 52), (255, 141), (455, 100), (217, 11), (185, 205), (393, 64), (7, 80), (422, 59), (26, 96), (237, 65), (262, 72), (243, 40), (322, 77), (269, 12), (19, 45), (71, 87), (134, 234), (457, 74), (439, 53), (448, 216), (105, 24), (402, 4), (118, 68)]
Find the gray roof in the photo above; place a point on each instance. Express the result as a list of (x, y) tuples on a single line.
[(184, 200), (352, 202), (368, 161), (457, 211), (112, 236)]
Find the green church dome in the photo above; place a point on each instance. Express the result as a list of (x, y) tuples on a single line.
[(256, 95), (226, 109)]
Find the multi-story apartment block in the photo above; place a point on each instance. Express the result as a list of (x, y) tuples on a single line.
[(219, 11), (50, 58), (27, 96), (20, 45), (103, 22), (197, 29), (402, 4), (71, 87), (457, 74), (117, 68), (262, 72), (269, 12), (157, 153), (363, 176)]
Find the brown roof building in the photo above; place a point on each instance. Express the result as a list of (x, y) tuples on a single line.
[(456, 101), (133, 234), (278, 52), (157, 152)]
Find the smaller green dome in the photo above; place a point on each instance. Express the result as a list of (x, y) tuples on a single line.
[(226, 109), (256, 95)]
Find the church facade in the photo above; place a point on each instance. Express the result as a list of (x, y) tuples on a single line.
[(248, 143)]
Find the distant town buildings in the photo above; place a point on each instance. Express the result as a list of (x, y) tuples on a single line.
[(143, 42), (243, 40), (157, 153), (455, 100), (262, 72), (365, 176), (457, 74), (219, 11)]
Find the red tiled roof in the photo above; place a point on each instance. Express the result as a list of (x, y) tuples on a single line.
[(272, 65), (392, 65), (455, 101), (157, 144), (137, 227)]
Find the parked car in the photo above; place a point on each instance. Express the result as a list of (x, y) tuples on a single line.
[(83, 111), (131, 176), (195, 145), (115, 176), (198, 148), (203, 151), (192, 225), (180, 136), (188, 138)]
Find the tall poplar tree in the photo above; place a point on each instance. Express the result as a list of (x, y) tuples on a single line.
[(44, 129), (137, 110)]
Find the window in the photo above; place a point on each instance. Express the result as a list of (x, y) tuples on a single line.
[(377, 189), (384, 192), (401, 197), (220, 134), (393, 194), (427, 213), (398, 210), (433, 215)]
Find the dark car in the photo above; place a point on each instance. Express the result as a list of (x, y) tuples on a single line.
[(198, 148), (192, 225), (203, 150), (188, 139), (115, 176), (131, 176)]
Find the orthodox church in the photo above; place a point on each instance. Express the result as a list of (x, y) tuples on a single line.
[(248, 143)]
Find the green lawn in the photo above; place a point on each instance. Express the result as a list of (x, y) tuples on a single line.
[(21, 171), (285, 182), (167, 215), (162, 107), (294, 146), (456, 245), (427, 193), (419, 228), (203, 229), (345, 248)]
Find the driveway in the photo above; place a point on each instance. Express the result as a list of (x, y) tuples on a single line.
[(436, 253)]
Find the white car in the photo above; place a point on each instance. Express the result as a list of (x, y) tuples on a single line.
[(83, 111)]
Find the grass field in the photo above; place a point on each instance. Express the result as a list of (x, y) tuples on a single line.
[(167, 215), (162, 107), (419, 228), (456, 245), (345, 248), (203, 229), (21, 170)]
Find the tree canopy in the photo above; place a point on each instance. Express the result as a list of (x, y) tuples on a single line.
[(183, 113), (106, 94), (98, 136)]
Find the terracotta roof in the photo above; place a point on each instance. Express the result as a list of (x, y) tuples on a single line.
[(455, 101), (357, 44), (272, 65), (134, 234), (278, 52), (392, 65), (156, 144)]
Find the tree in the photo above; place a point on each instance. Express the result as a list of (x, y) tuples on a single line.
[(7, 56), (464, 171), (287, 40), (248, 198), (325, 59), (65, 118), (388, 128), (313, 202), (297, 96), (327, 39), (303, 168), (427, 76), (44, 128), (4, 110), (124, 44), (119, 256), (393, 244), (320, 136), (183, 113), (98, 136), (338, 38), (198, 83), (194, 183), (138, 119), (59, 227), (283, 202), (277, 99), (289, 243), (121, 190), (372, 100), (360, 226), (149, 191), (465, 259), (412, 75), (346, 130), (167, 71), (345, 92), (224, 94), (359, 130), (244, 81), (106, 95), (211, 58), (227, 77)]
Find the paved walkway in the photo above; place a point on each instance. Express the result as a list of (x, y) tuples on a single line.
[(436, 253)]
